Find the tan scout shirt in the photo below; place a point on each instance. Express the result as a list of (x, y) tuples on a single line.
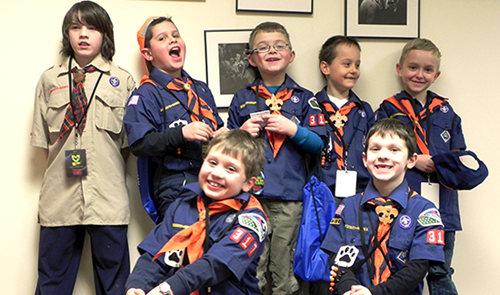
[(100, 198)]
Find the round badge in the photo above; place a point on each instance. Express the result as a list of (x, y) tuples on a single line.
[(114, 81), (295, 99), (444, 109), (405, 222), (362, 113)]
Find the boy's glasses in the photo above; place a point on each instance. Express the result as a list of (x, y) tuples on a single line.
[(266, 48)]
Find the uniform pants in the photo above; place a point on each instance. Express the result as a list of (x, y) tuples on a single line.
[(59, 256), (439, 278), (283, 228)]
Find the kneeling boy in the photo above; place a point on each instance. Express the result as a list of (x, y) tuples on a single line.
[(212, 235), (383, 240)]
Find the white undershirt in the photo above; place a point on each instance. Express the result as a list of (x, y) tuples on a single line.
[(338, 102)]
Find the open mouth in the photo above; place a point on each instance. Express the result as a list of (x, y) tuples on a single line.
[(175, 51), (83, 44), (272, 59), (215, 184)]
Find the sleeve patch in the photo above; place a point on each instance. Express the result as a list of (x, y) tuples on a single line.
[(339, 210), (253, 249), (247, 241), (321, 120), (313, 103), (237, 234), (430, 217), (435, 236), (133, 100), (312, 121), (255, 223), (335, 221)]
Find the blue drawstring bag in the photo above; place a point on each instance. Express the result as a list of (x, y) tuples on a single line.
[(310, 263)]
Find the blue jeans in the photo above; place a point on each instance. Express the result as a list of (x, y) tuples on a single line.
[(439, 277)]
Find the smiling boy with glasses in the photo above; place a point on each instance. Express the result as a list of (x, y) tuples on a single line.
[(288, 118)]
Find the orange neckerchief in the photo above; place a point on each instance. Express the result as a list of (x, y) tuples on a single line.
[(337, 143), (405, 106), (275, 139), (195, 103)]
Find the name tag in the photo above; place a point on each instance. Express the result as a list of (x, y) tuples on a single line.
[(430, 191), (345, 183), (76, 163)]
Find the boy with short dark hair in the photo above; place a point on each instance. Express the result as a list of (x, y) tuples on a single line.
[(383, 240), (169, 118), (212, 235), (438, 130), (288, 117)]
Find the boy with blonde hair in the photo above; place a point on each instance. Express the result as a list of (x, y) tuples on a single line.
[(438, 130), (288, 117)]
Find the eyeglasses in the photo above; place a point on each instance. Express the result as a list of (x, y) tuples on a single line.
[(266, 48)]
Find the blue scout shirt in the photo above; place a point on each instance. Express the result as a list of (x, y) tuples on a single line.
[(444, 133), (286, 173), (153, 109), (417, 232), (359, 121), (238, 250)]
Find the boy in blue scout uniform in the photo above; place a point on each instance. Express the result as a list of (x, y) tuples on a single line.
[(287, 116), (78, 122), (169, 118), (383, 240), (230, 239), (439, 130), (348, 118)]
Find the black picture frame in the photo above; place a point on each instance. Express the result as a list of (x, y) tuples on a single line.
[(226, 63), (276, 6), (377, 19)]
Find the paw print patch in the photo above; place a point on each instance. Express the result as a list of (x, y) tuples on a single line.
[(174, 258), (346, 256)]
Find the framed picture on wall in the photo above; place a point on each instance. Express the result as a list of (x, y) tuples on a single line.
[(226, 63), (286, 6), (395, 19)]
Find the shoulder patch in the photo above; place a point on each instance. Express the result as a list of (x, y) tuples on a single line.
[(339, 210), (255, 223), (430, 217), (313, 103), (133, 100)]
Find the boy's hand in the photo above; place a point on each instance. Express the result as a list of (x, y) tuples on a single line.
[(156, 291), (359, 290), (280, 124), (134, 291), (253, 126), (425, 163), (220, 131), (197, 131)]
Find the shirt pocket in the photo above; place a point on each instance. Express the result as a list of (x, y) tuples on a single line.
[(110, 109), (441, 134), (56, 110), (399, 249)]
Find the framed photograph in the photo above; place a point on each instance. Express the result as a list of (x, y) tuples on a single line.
[(395, 19), (226, 63), (285, 6)]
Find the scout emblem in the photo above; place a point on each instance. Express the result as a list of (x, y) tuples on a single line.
[(186, 87), (338, 119), (386, 214), (274, 104)]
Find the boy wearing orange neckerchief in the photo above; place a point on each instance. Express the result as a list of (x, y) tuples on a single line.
[(213, 233)]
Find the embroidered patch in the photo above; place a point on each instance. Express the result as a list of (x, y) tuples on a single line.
[(430, 217), (295, 99), (403, 256), (444, 109), (295, 120), (445, 135), (321, 120), (339, 210), (237, 234), (114, 81), (313, 103), (346, 256), (362, 113), (230, 218), (252, 250), (435, 236), (335, 221), (174, 258), (178, 123), (258, 187), (312, 121), (133, 100), (246, 242), (255, 223), (405, 222)]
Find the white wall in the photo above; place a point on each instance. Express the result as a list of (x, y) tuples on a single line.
[(466, 31)]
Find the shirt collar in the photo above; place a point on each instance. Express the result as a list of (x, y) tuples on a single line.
[(400, 194), (322, 97), (165, 78), (99, 62)]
